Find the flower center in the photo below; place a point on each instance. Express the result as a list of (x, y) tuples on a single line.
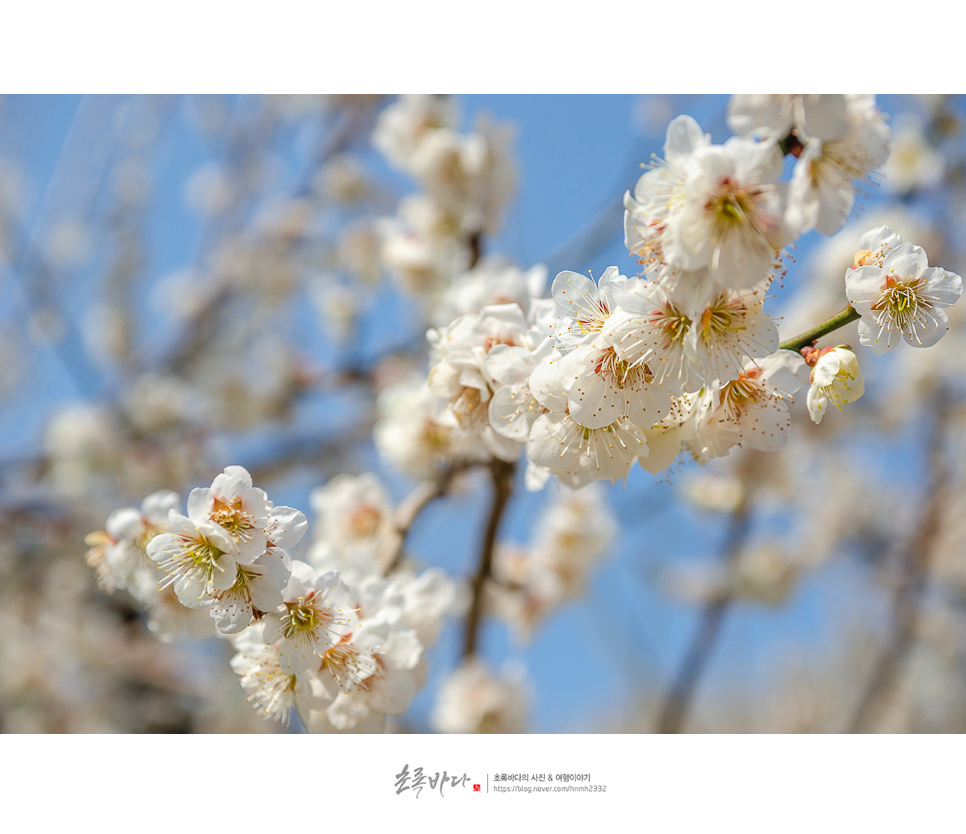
[(365, 521), (234, 519), (611, 366), (673, 324), (721, 317), (469, 407), (303, 617), (731, 204), (348, 665), (204, 555), (901, 302)]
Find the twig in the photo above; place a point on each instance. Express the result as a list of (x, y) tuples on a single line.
[(681, 694), (501, 473), (407, 513), (809, 337)]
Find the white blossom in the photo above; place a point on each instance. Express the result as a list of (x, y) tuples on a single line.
[(836, 378), (902, 299)]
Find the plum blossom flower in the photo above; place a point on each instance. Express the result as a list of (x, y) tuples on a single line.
[(712, 206), (776, 116), (315, 616), (651, 327), (751, 410), (236, 506), (271, 690), (476, 700), (914, 163), (575, 453), (837, 378), (353, 510), (603, 388), (822, 190), (902, 299), (118, 554), (199, 556), (582, 306)]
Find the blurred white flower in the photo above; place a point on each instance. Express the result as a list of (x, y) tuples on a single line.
[(475, 700)]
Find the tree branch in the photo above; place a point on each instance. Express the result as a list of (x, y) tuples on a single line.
[(809, 337), (681, 694), (501, 473), (910, 590), (408, 511)]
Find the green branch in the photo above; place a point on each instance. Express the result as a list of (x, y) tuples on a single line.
[(811, 336)]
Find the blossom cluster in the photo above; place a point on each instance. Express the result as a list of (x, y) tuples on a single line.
[(581, 381), (682, 358), (343, 656)]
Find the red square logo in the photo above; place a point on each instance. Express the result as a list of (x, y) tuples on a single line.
[(476, 787)]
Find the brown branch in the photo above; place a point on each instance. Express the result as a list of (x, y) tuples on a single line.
[(501, 474), (910, 590), (680, 696), (408, 511)]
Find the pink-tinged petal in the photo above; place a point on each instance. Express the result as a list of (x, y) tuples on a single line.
[(905, 260)]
